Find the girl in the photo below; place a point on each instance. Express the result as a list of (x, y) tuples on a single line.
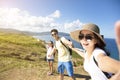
[(96, 61), (50, 59)]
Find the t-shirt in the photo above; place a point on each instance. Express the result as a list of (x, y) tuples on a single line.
[(63, 53), (92, 68), (49, 49)]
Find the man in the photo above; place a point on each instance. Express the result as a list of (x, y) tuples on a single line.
[(64, 60), (117, 32)]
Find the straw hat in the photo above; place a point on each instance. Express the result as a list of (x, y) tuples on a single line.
[(90, 27)]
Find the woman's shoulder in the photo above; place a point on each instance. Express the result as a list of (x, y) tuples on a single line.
[(98, 51)]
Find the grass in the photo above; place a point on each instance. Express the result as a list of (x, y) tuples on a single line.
[(16, 47), (20, 46), (22, 56)]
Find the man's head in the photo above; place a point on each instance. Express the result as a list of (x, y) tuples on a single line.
[(54, 33)]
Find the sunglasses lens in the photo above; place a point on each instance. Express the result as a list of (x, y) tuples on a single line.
[(88, 37), (53, 34), (81, 36)]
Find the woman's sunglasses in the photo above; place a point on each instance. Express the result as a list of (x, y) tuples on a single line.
[(87, 36)]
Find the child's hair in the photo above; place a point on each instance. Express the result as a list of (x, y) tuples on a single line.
[(52, 43)]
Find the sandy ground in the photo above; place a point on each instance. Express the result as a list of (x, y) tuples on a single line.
[(40, 74)]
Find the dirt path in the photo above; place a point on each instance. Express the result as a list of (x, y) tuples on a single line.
[(40, 74)]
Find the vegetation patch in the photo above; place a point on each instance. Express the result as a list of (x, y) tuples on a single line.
[(23, 56)]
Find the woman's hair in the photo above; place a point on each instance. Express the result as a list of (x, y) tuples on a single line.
[(101, 45)]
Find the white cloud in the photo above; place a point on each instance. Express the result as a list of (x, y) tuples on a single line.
[(56, 14), (73, 25), (21, 20)]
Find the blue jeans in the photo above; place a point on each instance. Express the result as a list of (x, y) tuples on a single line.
[(65, 65)]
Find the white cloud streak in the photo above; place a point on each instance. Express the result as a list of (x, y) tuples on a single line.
[(15, 18), (73, 25)]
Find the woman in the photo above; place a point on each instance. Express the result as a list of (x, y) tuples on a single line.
[(96, 61)]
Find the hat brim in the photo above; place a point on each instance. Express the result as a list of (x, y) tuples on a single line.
[(74, 35)]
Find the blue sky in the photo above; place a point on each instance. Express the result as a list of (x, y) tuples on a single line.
[(65, 15)]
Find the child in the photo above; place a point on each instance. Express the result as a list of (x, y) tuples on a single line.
[(50, 59)]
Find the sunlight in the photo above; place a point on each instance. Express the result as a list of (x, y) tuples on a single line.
[(10, 15)]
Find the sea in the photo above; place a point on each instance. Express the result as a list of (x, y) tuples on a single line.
[(110, 44)]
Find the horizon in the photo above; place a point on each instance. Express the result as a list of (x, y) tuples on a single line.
[(42, 33)]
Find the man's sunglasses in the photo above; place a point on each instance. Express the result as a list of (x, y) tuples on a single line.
[(87, 36), (53, 34)]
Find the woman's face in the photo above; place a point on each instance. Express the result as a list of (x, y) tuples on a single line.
[(87, 39)]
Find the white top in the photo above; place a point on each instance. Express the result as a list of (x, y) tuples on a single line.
[(49, 49), (91, 67), (63, 53)]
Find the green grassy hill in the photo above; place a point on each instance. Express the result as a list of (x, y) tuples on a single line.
[(22, 58), (19, 50), (20, 46)]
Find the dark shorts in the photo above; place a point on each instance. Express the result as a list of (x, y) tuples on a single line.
[(50, 60)]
